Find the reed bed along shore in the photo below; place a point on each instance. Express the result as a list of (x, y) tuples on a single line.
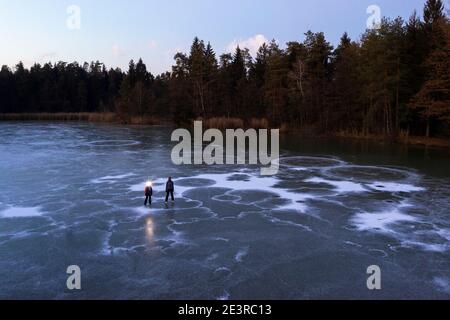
[(106, 117), (64, 116), (111, 117), (220, 123), (223, 123), (402, 138)]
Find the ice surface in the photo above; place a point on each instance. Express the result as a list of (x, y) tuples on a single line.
[(230, 233)]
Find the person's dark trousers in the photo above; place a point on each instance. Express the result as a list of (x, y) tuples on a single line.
[(171, 195), (148, 199)]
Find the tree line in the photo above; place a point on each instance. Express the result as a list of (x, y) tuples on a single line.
[(395, 78)]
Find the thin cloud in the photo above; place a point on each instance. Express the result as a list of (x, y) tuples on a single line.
[(152, 44), (116, 51), (47, 56)]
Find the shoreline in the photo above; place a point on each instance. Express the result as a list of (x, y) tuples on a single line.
[(400, 140), (220, 123), (94, 117)]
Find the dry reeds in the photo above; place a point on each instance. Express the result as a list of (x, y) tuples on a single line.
[(62, 116), (258, 123), (101, 117), (109, 117), (45, 116), (223, 123)]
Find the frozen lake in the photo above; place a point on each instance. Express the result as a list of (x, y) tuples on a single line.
[(72, 194)]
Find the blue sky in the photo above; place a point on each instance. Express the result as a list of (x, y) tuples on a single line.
[(115, 31)]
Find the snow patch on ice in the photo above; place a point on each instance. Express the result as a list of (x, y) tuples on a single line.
[(431, 247), (442, 283), (19, 212), (239, 257), (395, 187), (257, 183), (111, 179), (340, 186), (226, 181), (380, 221)]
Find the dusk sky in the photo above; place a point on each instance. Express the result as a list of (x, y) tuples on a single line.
[(116, 31)]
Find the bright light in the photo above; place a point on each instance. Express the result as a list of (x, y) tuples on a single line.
[(150, 231), (149, 184)]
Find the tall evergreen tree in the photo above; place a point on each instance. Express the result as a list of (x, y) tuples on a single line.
[(433, 12), (433, 99)]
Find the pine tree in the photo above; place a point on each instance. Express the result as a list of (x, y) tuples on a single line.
[(82, 102), (346, 113), (319, 73), (7, 94), (210, 78), (433, 99), (197, 75), (297, 56), (414, 57), (238, 82), (180, 92), (433, 12), (275, 84)]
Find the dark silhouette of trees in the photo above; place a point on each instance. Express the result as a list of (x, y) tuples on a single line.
[(392, 79), (346, 104), (136, 95), (59, 87), (433, 99)]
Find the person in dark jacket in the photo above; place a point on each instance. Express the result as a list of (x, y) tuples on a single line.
[(148, 193), (169, 189)]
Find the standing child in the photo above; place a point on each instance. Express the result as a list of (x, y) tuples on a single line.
[(148, 193), (169, 189)]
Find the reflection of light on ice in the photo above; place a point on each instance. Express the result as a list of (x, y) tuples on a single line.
[(149, 230)]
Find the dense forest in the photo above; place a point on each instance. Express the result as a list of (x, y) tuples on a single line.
[(393, 80)]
